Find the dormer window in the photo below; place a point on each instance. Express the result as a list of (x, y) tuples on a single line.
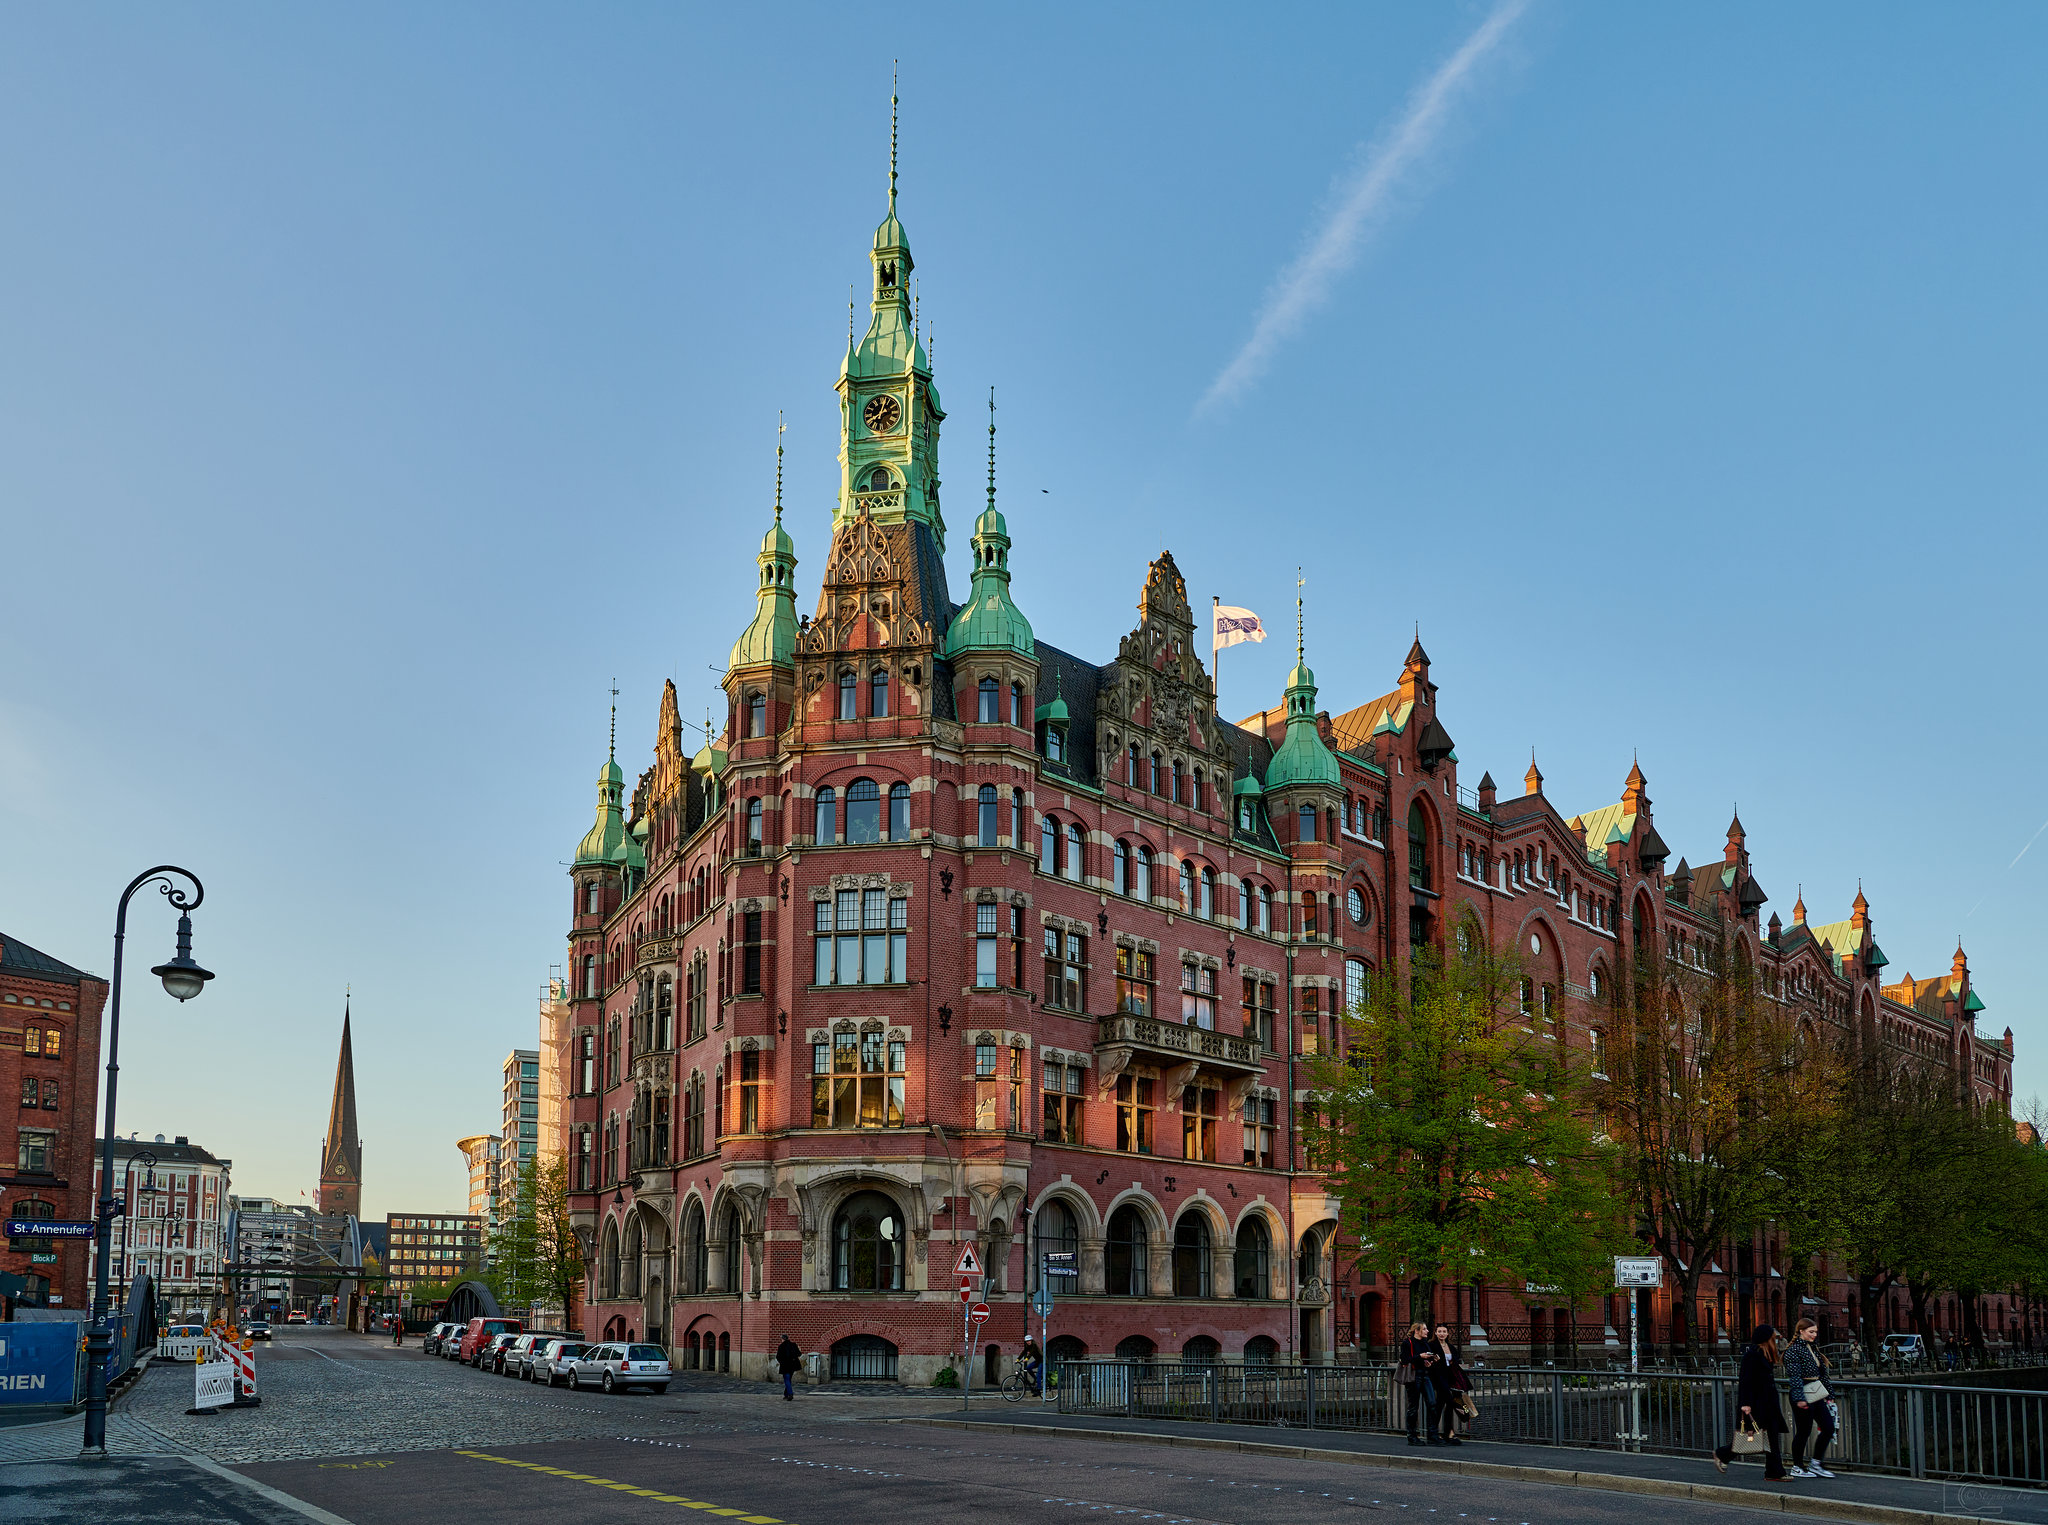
[(1055, 744)]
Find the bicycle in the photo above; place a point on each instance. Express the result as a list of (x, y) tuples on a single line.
[(1018, 1385)]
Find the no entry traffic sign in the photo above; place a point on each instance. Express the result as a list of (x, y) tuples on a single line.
[(978, 1313)]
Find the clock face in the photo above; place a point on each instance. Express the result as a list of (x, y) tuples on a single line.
[(882, 414)]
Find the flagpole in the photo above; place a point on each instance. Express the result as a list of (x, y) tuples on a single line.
[(1215, 653)]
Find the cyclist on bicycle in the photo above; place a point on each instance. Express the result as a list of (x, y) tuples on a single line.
[(1033, 1363)]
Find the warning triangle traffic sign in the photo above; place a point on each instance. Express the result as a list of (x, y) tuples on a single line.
[(969, 1265)]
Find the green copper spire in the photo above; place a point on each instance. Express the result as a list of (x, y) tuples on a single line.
[(604, 845), (771, 638), (889, 409), (1302, 758), (989, 621)]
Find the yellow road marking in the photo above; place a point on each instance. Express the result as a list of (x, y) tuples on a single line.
[(647, 1493)]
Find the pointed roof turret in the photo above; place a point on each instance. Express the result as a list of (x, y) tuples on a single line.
[(1799, 908), (771, 638), (1681, 879), (1302, 758), (1532, 781), (891, 347), (1635, 789), (605, 844), (1859, 908), (989, 620)]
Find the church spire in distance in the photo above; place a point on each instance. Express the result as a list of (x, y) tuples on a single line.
[(341, 1158)]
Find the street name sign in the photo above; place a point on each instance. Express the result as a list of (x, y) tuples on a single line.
[(1638, 1271), (47, 1228)]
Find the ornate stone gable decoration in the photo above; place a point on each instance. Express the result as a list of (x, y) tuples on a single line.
[(1157, 691)]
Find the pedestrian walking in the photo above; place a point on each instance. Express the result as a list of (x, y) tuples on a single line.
[(397, 1331), (1756, 1402), (1451, 1381), (1418, 1357), (788, 1359), (1813, 1400)]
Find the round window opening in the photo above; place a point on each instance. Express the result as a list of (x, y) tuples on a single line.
[(1535, 944), (1355, 903)]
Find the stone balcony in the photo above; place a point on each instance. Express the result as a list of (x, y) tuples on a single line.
[(1125, 1038)]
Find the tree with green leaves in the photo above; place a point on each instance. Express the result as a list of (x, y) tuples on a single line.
[(513, 1274), (1458, 1140), (1698, 1067), (557, 1253)]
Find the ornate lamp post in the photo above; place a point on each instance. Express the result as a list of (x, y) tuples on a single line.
[(183, 979)]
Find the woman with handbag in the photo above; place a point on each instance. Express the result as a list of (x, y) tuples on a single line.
[(1760, 1420), (1450, 1386), (1415, 1372), (1812, 1399)]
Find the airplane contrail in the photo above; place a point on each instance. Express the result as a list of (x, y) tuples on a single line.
[(1362, 204)]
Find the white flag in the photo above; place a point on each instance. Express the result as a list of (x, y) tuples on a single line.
[(1234, 625)]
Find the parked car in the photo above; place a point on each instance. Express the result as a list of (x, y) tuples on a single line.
[(556, 1362), (494, 1354), (256, 1329), (481, 1330), (430, 1343), (519, 1355), (613, 1367), (296, 1318)]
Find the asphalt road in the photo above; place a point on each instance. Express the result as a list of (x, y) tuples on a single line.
[(375, 1436)]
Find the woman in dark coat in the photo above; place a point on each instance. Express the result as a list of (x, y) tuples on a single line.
[(1420, 1356), (1756, 1401)]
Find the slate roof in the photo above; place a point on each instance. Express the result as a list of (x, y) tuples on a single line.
[(17, 957)]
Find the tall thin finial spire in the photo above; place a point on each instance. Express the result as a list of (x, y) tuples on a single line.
[(779, 427), (849, 314), (613, 745), (892, 135), (991, 448), (1300, 582)]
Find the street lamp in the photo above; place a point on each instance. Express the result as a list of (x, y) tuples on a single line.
[(183, 979)]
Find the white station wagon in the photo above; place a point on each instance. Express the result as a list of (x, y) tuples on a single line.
[(613, 1367)]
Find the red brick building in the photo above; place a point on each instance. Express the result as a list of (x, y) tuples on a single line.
[(956, 938), (49, 1066)]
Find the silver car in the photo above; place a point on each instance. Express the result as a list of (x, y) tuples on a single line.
[(555, 1361), (519, 1355), (617, 1367)]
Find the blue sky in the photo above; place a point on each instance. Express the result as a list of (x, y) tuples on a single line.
[(377, 386)]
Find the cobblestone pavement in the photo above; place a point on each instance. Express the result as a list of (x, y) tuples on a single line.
[(61, 1438), (329, 1393)]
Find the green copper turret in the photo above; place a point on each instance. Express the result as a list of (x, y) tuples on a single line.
[(989, 621)]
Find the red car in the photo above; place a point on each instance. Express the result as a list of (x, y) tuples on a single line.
[(483, 1329)]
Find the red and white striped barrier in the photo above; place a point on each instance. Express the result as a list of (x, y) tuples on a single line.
[(244, 1361)]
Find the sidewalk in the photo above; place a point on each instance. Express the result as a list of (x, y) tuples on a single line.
[(1865, 1497)]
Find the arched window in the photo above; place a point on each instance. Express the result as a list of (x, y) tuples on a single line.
[(1141, 878), (1048, 845), (1016, 704), (630, 1257), (589, 974), (1187, 886), (867, 1245), (849, 688), (1261, 1350), (1206, 906), (1191, 1256), (1265, 910), (1354, 984), (1179, 783), (1307, 829), (664, 1011), (1055, 744), (1072, 867), (590, 898), (878, 479), (828, 816), (1244, 904), (1154, 776), (757, 713), (991, 693), (878, 694), (608, 1263), (1200, 1351), (1120, 868), (863, 811), (694, 1272), (1135, 1347), (985, 816), (899, 812), (863, 1358), (753, 828), (1128, 1269), (1133, 770), (729, 1241), (1252, 1269), (1418, 847), (1056, 1231)]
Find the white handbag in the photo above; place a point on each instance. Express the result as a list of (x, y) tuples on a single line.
[(1815, 1391)]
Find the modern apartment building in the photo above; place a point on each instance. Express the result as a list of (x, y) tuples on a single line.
[(431, 1247), (521, 1133)]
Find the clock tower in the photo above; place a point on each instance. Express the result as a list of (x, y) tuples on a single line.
[(889, 412)]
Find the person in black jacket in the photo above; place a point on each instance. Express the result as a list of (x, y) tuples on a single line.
[(1420, 1356), (789, 1359), (1450, 1381), (1756, 1400)]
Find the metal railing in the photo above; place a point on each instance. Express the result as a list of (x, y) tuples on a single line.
[(1917, 1430)]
